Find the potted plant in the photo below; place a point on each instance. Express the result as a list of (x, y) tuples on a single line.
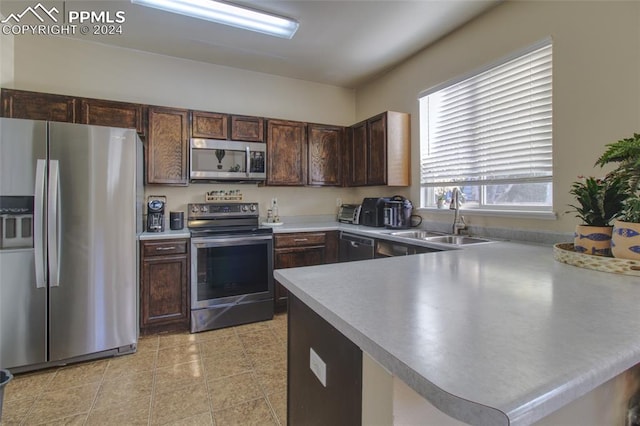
[(599, 201), (626, 229), (441, 197)]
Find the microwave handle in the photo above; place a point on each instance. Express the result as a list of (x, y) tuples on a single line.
[(248, 168)]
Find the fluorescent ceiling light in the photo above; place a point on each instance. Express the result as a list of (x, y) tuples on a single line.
[(227, 14)]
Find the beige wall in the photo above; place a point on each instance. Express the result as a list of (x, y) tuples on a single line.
[(6, 58), (596, 83)]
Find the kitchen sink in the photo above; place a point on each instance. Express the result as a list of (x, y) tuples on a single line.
[(420, 235), (439, 237), (459, 240)]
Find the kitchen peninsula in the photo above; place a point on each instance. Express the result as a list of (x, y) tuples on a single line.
[(498, 334)]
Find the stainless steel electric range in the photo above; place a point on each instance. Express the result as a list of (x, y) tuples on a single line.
[(231, 265)]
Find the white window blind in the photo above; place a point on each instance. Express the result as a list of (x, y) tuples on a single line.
[(491, 128)]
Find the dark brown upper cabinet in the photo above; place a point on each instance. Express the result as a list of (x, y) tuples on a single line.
[(209, 125), (168, 146), (286, 153), (113, 114), (39, 106), (324, 155), (378, 151), (356, 156), (248, 129)]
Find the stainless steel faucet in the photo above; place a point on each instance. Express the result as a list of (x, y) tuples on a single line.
[(458, 220)]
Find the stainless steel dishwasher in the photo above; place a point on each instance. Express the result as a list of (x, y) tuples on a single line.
[(355, 247)]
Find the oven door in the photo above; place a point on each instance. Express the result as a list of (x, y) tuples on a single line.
[(231, 270)]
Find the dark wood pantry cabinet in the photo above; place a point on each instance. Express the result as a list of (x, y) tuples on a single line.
[(164, 285), (168, 146)]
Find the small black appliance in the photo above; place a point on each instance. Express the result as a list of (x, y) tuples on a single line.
[(155, 215), (176, 220), (372, 212)]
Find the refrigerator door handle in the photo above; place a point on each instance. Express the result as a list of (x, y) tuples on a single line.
[(53, 223), (248, 165), (38, 223)]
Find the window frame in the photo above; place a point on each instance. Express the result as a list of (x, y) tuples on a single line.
[(427, 190)]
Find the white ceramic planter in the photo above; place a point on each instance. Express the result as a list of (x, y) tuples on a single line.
[(625, 242), (594, 240)]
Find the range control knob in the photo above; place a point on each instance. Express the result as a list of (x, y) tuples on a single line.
[(203, 209), (194, 209), (245, 208), (253, 207)]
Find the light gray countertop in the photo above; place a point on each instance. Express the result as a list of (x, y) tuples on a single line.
[(492, 335), (166, 235)]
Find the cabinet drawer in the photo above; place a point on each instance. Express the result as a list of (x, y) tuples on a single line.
[(299, 239), (164, 247)]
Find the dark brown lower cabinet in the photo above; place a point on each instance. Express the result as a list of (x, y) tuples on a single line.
[(298, 249), (309, 402), (164, 285)]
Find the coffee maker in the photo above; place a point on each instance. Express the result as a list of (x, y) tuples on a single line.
[(397, 212), (155, 213)]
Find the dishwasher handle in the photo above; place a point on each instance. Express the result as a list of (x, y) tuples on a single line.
[(356, 240)]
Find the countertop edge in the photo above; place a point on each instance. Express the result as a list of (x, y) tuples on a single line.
[(448, 403), (166, 235)]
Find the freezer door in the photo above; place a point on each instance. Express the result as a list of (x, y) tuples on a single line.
[(23, 326), (92, 246)]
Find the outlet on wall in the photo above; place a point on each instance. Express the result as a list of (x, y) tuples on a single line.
[(274, 201)]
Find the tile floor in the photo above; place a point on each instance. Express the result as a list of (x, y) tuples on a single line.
[(233, 376)]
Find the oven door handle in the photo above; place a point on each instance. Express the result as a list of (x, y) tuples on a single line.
[(212, 242)]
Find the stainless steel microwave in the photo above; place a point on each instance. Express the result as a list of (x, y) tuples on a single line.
[(219, 160)]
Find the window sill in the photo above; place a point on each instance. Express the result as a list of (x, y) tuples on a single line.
[(518, 214)]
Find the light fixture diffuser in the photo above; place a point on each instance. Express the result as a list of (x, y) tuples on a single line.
[(227, 14)]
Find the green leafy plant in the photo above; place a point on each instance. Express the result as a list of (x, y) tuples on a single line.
[(631, 210), (626, 154), (599, 201)]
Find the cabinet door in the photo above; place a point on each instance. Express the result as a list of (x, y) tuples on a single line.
[(292, 258), (112, 114), (38, 106), (299, 256), (324, 155), (332, 244), (168, 146), (286, 153), (377, 152), (250, 129), (209, 125), (357, 155), (164, 295)]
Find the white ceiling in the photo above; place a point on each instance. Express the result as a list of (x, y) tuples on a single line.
[(342, 43)]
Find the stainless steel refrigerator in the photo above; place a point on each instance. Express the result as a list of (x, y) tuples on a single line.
[(71, 210)]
